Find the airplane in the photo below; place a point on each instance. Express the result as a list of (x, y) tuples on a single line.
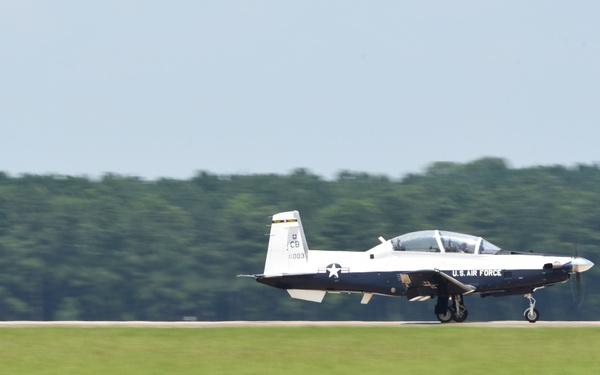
[(418, 265)]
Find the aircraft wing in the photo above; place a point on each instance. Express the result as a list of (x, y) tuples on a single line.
[(426, 283)]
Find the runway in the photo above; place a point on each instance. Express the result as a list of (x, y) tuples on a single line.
[(223, 324)]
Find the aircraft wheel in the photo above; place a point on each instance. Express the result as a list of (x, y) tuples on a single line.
[(445, 317), (462, 317), (532, 315)]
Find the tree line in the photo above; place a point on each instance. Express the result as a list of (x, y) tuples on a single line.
[(123, 248)]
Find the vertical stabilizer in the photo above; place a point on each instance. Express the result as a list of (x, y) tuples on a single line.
[(288, 251)]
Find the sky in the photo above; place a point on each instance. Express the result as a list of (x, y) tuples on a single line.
[(159, 89)]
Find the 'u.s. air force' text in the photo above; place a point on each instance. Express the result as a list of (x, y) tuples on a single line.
[(476, 273)]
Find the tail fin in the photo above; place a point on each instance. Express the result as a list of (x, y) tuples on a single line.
[(288, 251)]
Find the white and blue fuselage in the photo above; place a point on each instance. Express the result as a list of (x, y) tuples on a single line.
[(418, 265)]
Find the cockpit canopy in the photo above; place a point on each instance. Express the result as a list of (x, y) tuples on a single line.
[(443, 241)]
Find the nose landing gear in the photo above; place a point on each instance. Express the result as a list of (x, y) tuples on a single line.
[(531, 314)]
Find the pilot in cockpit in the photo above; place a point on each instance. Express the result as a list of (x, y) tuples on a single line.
[(398, 245)]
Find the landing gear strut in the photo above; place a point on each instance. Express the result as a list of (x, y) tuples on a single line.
[(531, 314), (450, 308)]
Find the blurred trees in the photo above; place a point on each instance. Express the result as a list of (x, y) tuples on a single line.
[(121, 248)]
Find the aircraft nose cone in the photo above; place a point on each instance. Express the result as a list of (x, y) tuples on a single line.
[(581, 264)]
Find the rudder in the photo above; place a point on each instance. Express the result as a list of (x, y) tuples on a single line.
[(288, 250)]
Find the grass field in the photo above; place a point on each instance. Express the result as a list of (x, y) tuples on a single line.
[(447, 349)]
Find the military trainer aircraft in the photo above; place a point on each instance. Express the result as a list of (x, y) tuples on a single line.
[(419, 265)]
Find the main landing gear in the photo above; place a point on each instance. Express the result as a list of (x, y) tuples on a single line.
[(531, 314), (450, 308)]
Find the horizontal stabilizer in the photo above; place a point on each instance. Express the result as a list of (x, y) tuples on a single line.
[(307, 295)]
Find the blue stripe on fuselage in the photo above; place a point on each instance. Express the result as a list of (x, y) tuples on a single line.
[(390, 283)]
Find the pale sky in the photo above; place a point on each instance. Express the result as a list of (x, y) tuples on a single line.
[(168, 88)]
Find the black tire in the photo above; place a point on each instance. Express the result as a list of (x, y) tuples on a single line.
[(445, 317), (462, 317), (531, 316)]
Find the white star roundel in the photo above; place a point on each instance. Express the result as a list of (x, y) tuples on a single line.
[(334, 270)]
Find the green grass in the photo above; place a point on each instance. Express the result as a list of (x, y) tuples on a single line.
[(303, 350)]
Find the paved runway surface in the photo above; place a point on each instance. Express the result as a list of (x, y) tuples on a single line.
[(185, 324)]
